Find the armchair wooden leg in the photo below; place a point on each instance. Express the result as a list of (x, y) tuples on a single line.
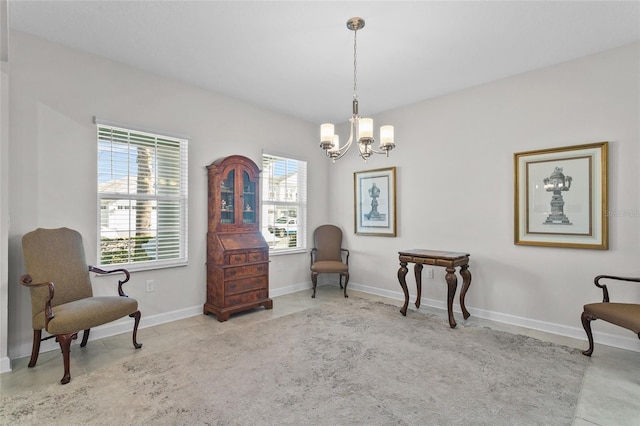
[(586, 323), (35, 350), (136, 315), (314, 280), (346, 281), (85, 338), (65, 345)]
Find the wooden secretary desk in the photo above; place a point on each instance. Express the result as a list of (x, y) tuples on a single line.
[(237, 253)]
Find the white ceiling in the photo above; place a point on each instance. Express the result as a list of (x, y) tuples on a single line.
[(296, 57)]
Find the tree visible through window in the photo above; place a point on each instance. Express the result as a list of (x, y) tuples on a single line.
[(142, 196), (284, 202)]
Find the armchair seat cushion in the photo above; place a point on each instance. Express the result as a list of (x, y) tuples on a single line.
[(625, 315), (86, 313), (329, 266)]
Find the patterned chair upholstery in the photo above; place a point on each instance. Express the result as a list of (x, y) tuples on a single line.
[(62, 301), (328, 256)]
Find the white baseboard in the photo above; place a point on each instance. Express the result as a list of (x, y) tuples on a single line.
[(628, 343), (5, 364), (124, 325), (291, 289)]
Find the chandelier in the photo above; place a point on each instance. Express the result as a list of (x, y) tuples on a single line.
[(361, 129)]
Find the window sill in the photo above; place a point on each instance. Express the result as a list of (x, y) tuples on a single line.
[(285, 252), (142, 266)]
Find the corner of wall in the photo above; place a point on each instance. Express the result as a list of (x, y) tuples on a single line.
[(5, 364)]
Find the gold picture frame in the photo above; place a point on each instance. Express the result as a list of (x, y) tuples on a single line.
[(375, 202), (560, 197)]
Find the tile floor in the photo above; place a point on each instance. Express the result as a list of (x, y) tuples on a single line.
[(610, 394)]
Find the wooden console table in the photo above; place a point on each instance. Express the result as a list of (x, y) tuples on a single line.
[(449, 260)]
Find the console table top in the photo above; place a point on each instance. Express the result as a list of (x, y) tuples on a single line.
[(433, 254)]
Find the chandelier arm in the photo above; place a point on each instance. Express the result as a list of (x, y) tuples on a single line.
[(353, 122), (343, 150), (339, 156), (380, 152)]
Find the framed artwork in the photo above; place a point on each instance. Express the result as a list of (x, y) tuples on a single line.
[(375, 202), (561, 197)]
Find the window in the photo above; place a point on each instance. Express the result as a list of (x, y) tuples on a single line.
[(284, 203), (142, 198)]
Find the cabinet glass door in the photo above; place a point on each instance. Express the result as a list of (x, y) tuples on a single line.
[(227, 198), (249, 199)]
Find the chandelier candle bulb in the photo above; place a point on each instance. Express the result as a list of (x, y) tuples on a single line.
[(326, 133), (336, 144), (386, 136), (365, 128)]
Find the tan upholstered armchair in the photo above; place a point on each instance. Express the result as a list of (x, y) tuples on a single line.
[(62, 301), (328, 256), (625, 315)]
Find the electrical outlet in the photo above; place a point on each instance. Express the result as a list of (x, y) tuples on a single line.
[(148, 286), (430, 273)]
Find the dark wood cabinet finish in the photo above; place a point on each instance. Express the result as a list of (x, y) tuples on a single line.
[(237, 253)]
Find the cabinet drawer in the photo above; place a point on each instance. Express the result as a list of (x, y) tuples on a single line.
[(252, 296), (258, 256), (237, 259), (246, 271), (244, 284)]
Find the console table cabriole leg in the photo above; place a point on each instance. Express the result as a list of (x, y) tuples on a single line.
[(452, 284), (417, 271), (402, 273), (466, 282)]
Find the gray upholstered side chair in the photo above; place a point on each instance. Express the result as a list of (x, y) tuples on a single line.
[(625, 315), (62, 301), (328, 256)]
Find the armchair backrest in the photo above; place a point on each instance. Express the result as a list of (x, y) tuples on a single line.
[(56, 255), (328, 242)]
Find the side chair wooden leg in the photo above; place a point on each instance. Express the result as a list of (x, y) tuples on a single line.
[(35, 350), (586, 323), (346, 281), (65, 345), (85, 338), (136, 316)]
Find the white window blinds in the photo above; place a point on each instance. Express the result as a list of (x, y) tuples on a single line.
[(284, 203), (142, 196)]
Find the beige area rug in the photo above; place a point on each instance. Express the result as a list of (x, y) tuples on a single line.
[(352, 363)]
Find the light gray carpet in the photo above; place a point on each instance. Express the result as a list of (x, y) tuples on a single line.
[(353, 362)]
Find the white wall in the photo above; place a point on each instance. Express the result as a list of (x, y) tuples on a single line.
[(454, 160), (455, 180), (55, 92)]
